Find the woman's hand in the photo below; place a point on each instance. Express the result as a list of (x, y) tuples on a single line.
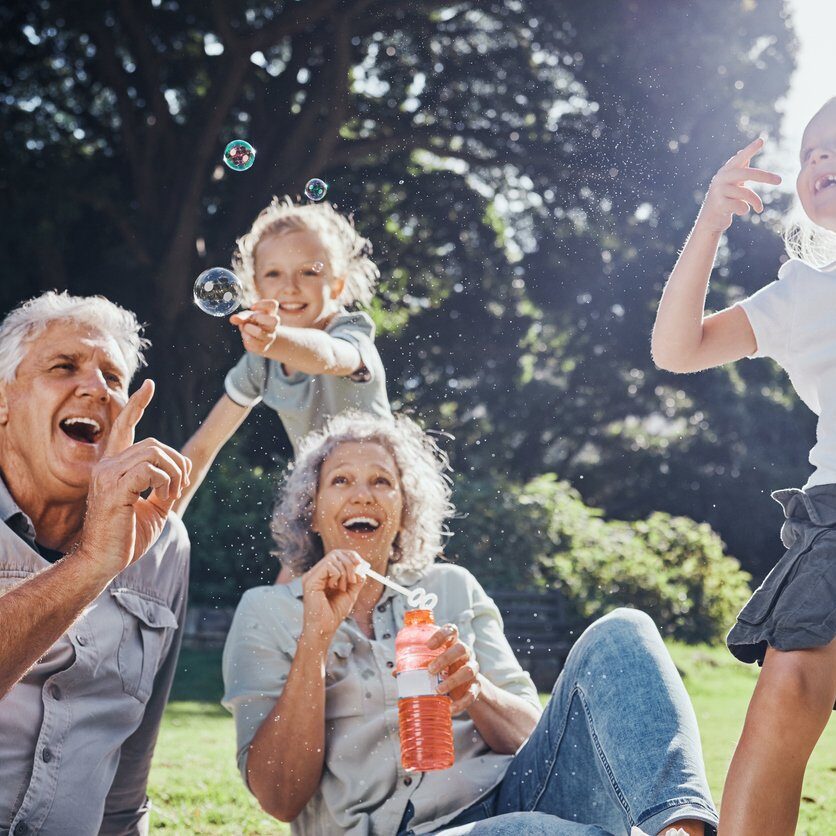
[(458, 669), (258, 326), (728, 196), (330, 590)]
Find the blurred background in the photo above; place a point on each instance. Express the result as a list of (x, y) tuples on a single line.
[(526, 171)]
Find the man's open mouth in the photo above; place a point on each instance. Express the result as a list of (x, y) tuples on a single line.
[(824, 182), (79, 428), (361, 525)]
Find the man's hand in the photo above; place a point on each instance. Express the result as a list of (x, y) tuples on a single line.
[(728, 196), (258, 326), (120, 525)]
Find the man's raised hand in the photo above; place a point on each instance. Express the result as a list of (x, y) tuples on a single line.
[(120, 525)]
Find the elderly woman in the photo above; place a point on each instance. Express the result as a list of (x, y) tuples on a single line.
[(308, 673)]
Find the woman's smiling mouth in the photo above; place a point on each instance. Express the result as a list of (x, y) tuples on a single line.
[(361, 525)]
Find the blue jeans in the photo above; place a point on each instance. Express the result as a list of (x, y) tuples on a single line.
[(617, 746)]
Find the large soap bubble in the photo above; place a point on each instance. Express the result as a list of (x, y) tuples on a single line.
[(218, 292), (239, 155)]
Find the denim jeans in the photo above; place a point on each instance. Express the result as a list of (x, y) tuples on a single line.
[(617, 746)]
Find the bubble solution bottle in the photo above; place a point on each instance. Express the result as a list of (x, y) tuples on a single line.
[(426, 727)]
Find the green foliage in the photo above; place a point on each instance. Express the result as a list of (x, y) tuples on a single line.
[(228, 523), (542, 534)]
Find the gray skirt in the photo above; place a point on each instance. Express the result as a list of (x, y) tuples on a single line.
[(795, 607)]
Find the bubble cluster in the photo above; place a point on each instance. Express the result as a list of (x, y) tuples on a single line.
[(239, 155), (218, 292), (316, 189)]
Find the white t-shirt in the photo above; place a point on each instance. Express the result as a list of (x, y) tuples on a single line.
[(794, 320)]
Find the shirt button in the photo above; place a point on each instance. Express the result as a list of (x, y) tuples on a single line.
[(390, 664), (381, 607), (81, 641), (150, 616), (55, 693), (46, 754), (387, 635), (407, 780), (21, 828)]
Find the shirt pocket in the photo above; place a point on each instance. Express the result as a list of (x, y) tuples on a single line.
[(10, 578), (343, 689), (144, 625), (765, 597)]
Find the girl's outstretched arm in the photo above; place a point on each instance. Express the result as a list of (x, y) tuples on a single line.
[(684, 339), (226, 416)]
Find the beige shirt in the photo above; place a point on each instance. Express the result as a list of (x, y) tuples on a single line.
[(78, 731), (364, 789)]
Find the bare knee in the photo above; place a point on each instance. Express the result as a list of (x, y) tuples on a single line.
[(799, 680)]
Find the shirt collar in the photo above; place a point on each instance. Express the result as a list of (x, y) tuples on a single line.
[(12, 514)]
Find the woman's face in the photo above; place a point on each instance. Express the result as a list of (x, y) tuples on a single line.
[(359, 502)]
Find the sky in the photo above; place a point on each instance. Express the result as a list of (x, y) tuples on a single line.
[(814, 80)]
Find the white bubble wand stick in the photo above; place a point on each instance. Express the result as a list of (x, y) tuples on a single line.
[(418, 597)]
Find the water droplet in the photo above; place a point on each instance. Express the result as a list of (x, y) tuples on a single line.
[(316, 189), (218, 292), (239, 155)]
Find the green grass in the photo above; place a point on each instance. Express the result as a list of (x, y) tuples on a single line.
[(195, 786)]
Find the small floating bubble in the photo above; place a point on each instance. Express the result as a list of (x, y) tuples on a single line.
[(316, 189), (239, 155)]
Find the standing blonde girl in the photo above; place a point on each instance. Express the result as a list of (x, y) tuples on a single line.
[(789, 624)]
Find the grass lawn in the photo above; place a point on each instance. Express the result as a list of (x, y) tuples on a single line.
[(195, 786)]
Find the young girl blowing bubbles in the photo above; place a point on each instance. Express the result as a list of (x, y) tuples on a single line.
[(789, 624), (307, 356)]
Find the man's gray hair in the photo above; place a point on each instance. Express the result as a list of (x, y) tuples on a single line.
[(424, 486), (29, 319)]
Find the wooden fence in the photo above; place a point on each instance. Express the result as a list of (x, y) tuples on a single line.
[(536, 625)]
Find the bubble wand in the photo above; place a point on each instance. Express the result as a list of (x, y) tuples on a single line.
[(418, 597)]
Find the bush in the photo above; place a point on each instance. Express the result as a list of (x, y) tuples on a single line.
[(541, 534)]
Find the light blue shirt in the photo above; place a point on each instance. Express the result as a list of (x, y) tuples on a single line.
[(364, 789), (305, 402)]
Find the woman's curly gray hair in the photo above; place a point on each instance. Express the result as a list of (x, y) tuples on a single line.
[(424, 485), (348, 250)]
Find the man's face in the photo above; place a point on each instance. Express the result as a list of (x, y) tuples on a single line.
[(56, 415)]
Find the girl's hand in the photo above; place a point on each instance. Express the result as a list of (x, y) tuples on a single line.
[(330, 592), (258, 326), (458, 668), (728, 196)]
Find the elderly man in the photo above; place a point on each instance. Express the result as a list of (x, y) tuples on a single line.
[(93, 571)]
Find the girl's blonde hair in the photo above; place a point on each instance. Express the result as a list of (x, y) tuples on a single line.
[(424, 486), (348, 250), (804, 239)]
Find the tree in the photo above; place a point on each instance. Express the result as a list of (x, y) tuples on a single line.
[(526, 169)]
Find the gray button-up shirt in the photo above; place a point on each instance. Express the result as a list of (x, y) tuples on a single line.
[(364, 789), (78, 731), (305, 402)]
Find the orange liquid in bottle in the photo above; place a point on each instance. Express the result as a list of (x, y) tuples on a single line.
[(426, 727)]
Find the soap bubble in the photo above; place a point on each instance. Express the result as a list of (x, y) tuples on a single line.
[(239, 155), (316, 189), (218, 292)]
